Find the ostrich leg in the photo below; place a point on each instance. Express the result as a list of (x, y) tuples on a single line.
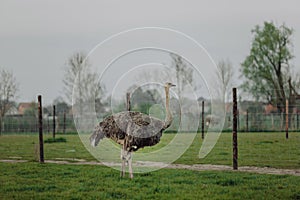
[(130, 165), (123, 157)]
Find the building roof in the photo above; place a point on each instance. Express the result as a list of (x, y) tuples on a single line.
[(24, 106)]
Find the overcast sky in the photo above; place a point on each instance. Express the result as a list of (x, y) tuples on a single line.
[(37, 37)]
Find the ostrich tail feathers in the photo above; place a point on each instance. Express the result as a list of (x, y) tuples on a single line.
[(96, 136)]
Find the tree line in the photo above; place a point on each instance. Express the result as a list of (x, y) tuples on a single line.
[(267, 74)]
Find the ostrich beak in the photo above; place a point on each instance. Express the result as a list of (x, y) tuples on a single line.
[(173, 85)]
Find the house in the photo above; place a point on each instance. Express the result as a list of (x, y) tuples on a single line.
[(24, 106), (269, 109)]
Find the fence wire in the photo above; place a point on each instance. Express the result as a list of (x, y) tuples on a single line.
[(29, 124), (247, 122), (255, 146)]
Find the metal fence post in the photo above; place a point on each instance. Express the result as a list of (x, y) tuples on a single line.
[(202, 121), (297, 121), (64, 127), (247, 121), (286, 118), (54, 125)]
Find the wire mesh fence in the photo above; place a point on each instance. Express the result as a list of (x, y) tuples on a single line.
[(29, 124), (264, 143), (263, 149), (252, 117), (262, 122)]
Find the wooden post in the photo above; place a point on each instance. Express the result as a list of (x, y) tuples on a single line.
[(234, 131), (54, 125), (247, 121), (202, 121), (64, 127), (128, 106), (41, 141), (286, 118)]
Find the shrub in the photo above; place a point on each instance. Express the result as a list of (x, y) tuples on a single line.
[(53, 140)]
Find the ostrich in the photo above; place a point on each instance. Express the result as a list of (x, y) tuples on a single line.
[(132, 130)]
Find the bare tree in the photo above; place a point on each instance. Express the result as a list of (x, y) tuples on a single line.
[(80, 79), (224, 81), (81, 85), (74, 69), (8, 91), (184, 74), (179, 72)]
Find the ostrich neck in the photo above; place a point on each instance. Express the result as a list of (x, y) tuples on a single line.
[(169, 117)]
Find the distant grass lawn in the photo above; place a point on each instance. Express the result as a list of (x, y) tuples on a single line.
[(53, 181), (255, 149)]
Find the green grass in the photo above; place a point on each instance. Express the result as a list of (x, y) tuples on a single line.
[(26, 147), (255, 149), (52, 181)]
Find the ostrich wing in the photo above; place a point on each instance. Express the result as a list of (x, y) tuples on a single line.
[(140, 125), (142, 130)]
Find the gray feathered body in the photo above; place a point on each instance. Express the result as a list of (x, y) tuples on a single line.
[(136, 129)]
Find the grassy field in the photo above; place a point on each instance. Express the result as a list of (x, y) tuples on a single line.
[(32, 180), (255, 149), (52, 181)]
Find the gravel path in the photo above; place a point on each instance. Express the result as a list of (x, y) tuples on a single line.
[(196, 167)]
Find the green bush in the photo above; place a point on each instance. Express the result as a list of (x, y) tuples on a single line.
[(53, 140)]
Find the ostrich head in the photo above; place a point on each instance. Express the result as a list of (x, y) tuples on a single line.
[(168, 85)]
